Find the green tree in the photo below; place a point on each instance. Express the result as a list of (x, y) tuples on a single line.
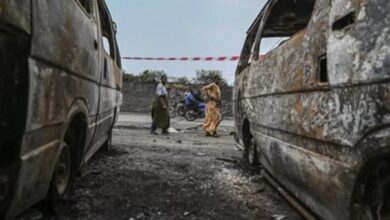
[(151, 75), (128, 77), (144, 76), (207, 76), (183, 80)]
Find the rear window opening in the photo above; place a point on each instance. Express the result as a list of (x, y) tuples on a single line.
[(86, 5), (107, 35)]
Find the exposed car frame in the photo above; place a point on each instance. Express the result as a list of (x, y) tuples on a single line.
[(314, 111), (60, 95)]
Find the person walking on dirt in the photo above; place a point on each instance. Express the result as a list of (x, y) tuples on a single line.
[(160, 114), (213, 112)]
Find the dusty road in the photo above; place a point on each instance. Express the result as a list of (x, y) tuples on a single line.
[(143, 121), (172, 177)]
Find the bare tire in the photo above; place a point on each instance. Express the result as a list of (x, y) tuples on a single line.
[(191, 115), (62, 179), (107, 146), (172, 112), (181, 111), (250, 153)]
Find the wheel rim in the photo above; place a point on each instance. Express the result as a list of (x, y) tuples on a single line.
[(181, 111), (62, 170), (191, 115), (172, 114)]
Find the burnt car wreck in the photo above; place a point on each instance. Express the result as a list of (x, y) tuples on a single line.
[(314, 111), (60, 82)]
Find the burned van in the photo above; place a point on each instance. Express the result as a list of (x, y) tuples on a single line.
[(312, 103), (60, 82)]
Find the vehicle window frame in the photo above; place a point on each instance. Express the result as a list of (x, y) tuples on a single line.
[(259, 34), (81, 6), (252, 35), (118, 54), (103, 16), (247, 48)]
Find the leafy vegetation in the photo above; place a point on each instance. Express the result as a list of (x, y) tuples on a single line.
[(207, 76), (144, 76), (202, 77)]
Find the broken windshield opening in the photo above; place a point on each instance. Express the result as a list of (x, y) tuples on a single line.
[(285, 18), (276, 23)]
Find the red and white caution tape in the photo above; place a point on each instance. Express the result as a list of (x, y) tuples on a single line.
[(220, 59), (233, 58)]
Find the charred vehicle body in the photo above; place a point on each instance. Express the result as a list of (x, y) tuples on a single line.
[(315, 109), (60, 81)]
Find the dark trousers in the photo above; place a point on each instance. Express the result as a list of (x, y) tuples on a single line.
[(154, 126)]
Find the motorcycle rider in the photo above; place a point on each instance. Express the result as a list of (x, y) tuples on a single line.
[(193, 100)]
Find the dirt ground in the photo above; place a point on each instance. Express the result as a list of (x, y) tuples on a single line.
[(180, 176)]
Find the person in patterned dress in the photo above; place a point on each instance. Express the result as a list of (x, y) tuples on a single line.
[(213, 112)]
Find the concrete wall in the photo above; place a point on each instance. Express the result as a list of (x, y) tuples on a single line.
[(138, 97)]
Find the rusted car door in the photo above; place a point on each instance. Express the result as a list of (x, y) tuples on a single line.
[(63, 69), (359, 68), (286, 93), (249, 56), (110, 77), (67, 40)]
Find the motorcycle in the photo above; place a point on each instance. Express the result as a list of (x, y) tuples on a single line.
[(178, 108), (197, 111)]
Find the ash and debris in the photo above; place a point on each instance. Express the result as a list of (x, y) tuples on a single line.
[(181, 176)]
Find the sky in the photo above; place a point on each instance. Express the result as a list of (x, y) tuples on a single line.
[(182, 28)]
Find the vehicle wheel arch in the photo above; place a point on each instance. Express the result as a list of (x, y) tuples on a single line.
[(367, 180), (73, 138), (246, 132), (76, 125), (250, 147)]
